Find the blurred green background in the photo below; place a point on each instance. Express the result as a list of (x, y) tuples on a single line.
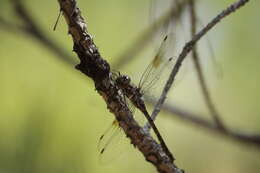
[(51, 117)]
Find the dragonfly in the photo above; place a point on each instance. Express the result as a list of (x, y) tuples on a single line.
[(149, 79), (135, 94)]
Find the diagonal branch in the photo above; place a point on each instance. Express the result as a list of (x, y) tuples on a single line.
[(98, 69), (189, 46), (187, 117)]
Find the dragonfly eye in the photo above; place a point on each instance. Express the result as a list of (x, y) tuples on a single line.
[(123, 80), (126, 79)]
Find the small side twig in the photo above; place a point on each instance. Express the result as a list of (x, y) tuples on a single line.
[(188, 47)]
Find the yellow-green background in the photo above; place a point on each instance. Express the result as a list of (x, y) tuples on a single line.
[(51, 117)]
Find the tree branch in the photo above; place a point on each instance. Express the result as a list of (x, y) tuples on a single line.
[(95, 67), (188, 47), (184, 115)]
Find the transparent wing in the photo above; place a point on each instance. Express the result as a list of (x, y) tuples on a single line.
[(109, 143), (113, 143), (165, 53), (159, 64), (153, 66)]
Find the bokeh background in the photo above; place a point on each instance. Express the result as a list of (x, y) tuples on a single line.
[(51, 116)]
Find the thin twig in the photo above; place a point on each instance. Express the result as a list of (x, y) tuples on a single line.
[(196, 60), (188, 47), (98, 69)]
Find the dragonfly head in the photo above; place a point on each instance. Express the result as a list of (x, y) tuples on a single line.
[(123, 80)]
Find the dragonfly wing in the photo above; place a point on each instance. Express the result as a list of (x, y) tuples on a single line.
[(159, 64), (111, 143), (154, 65)]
